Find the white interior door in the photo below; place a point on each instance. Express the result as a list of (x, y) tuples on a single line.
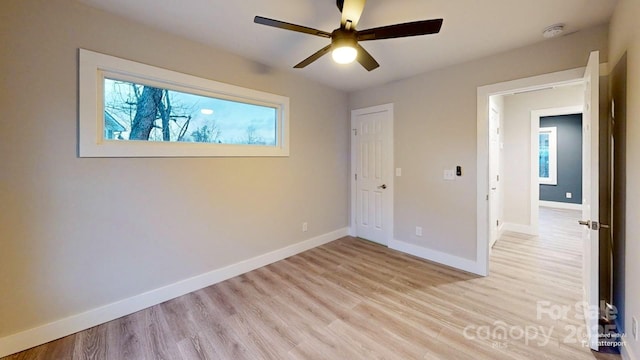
[(590, 186), (372, 147), (494, 175)]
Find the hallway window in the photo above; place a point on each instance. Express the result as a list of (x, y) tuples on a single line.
[(548, 156)]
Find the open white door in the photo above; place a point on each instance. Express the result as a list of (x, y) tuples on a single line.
[(372, 153), (590, 186)]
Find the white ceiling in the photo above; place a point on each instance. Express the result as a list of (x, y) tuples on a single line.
[(472, 29)]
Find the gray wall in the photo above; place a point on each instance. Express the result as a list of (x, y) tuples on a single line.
[(569, 133)]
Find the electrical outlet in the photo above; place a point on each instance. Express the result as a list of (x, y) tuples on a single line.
[(569, 195), (418, 231), (305, 227), (634, 328)]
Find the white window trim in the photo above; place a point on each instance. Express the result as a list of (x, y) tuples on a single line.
[(553, 156), (94, 66)]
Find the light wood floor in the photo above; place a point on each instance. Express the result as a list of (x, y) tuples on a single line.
[(351, 299)]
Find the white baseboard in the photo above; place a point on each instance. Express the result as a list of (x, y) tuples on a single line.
[(437, 256), (42, 334), (560, 205), (520, 228)]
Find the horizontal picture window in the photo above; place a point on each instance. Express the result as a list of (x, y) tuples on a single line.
[(128, 109)]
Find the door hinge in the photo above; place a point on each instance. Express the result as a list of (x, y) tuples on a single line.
[(356, 177), (355, 132), (497, 177), (497, 222)]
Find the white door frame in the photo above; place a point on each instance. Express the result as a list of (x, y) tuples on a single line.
[(540, 82), (535, 153), (354, 153)]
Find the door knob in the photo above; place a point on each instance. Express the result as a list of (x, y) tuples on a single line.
[(383, 186), (594, 225)]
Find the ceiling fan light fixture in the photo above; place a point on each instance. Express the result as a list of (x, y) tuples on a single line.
[(344, 40), (344, 45), (344, 54)]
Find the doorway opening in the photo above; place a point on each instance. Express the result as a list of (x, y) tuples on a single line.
[(490, 182), (588, 76)]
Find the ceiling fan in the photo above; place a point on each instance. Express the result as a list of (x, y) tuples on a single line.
[(344, 40)]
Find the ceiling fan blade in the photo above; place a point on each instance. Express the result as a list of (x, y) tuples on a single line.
[(365, 59), (351, 11), (314, 57), (293, 27), (424, 27)]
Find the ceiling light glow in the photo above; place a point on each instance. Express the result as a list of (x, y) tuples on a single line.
[(206, 111), (344, 54)]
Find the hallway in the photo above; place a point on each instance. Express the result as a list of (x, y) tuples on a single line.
[(552, 264)]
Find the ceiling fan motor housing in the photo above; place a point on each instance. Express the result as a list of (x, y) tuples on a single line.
[(343, 38)]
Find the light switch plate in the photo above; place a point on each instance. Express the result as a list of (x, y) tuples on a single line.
[(398, 172), (449, 174)]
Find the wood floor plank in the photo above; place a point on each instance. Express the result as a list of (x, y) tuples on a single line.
[(353, 299), (61, 348), (226, 341), (321, 343), (199, 347), (223, 305), (91, 344), (125, 337), (158, 335)]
